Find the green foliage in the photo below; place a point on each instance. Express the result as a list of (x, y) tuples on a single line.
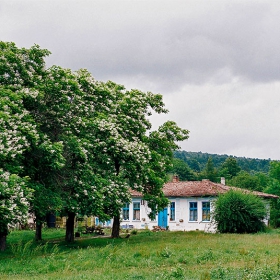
[(263, 179), (210, 171), (229, 168), (20, 67), (197, 161), (247, 181), (246, 173), (23, 146), (15, 198), (239, 212), (17, 130), (83, 142), (274, 170), (273, 187), (181, 169), (275, 213)]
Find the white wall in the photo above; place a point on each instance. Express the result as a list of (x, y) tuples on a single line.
[(182, 214)]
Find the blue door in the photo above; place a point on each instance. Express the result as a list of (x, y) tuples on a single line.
[(162, 218)]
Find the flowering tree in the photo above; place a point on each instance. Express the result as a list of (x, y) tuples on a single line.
[(68, 109), (14, 203), (126, 156), (87, 141), (24, 149), (103, 129), (50, 127), (17, 131)]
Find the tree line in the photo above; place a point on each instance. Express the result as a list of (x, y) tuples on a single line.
[(262, 175), (75, 145), (197, 161)]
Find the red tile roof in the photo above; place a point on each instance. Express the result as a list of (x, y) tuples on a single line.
[(199, 188)]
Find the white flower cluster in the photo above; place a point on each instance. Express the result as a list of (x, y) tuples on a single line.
[(19, 65), (15, 130), (14, 199), (132, 148), (30, 92), (116, 192)]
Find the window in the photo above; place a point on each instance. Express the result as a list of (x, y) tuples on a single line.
[(136, 211), (193, 211), (206, 211), (172, 211), (125, 212)]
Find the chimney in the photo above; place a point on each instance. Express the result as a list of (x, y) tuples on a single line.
[(223, 181), (175, 179)]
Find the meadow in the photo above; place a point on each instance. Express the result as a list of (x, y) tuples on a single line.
[(145, 255)]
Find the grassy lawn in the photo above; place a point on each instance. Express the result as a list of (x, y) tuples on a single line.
[(146, 255)]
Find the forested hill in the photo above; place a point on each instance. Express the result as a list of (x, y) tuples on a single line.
[(197, 161)]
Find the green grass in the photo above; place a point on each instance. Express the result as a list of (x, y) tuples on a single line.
[(146, 255)]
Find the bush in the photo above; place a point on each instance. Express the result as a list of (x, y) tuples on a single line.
[(134, 231), (239, 212), (275, 213)]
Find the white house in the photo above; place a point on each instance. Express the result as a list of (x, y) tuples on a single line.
[(189, 208)]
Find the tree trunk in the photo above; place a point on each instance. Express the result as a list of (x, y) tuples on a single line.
[(38, 233), (69, 237), (3, 244), (116, 227)]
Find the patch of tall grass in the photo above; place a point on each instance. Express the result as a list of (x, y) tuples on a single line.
[(147, 255), (30, 249)]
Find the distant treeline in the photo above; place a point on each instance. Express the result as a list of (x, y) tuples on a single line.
[(246, 173), (197, 161)]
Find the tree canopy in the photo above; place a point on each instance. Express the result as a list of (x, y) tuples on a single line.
[(182, 169), (239, 212), (197, 161), (82, 143)]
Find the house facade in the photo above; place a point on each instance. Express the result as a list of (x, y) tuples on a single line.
[(189, 208)]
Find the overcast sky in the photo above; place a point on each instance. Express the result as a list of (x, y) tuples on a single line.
[(216, 63)]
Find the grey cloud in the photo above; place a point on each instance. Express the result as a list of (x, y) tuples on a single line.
[(215, 62), (238, 119), (173, 43)]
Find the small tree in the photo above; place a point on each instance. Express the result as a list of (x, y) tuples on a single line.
[(239, 212), (274, 170), (244, 180), (230, 168), (182, 169), (210, 171)]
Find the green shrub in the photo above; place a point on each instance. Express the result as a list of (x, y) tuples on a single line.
[(239, 212), (275, 213), (134, 231)]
